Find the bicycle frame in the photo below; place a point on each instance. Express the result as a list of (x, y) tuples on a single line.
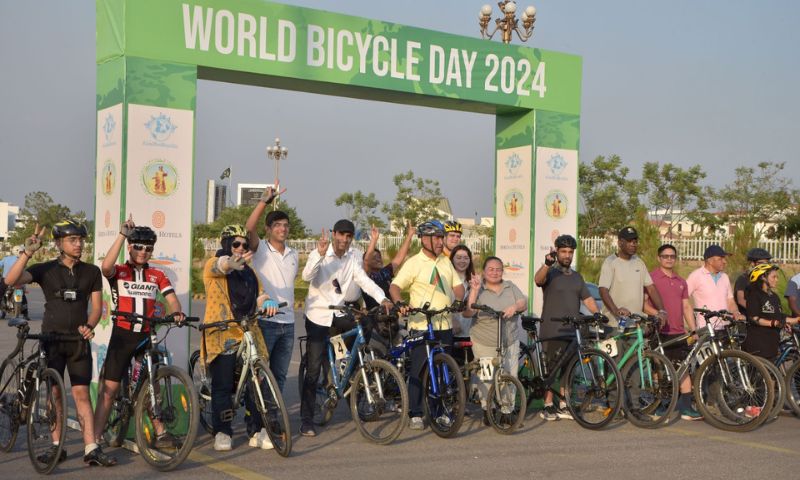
[(637, 347), (341, 377), (249, 354)]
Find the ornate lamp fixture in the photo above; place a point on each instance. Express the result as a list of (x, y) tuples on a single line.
[(508, 23)]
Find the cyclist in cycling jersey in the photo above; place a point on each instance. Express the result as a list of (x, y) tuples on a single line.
[(430, 277), (135, 287), (69, 286), (764, 313), (452, 236), (756, 256)]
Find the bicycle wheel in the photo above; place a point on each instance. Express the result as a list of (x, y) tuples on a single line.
[(116, 428), (202, 385), (527, 376), (444, 410), (792, 383), (9, 404), (46, 420), (779, 392), (593, 390), (379, 401), (507, 404), (323, 409), (733, 391), (651, 390), (166, 430), (269, 402)]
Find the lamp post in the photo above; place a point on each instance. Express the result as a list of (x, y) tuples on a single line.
[(508, 23), (277, 153)]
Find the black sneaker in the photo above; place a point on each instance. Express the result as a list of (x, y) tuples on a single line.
[(166, 440), (47, 456), (549, 413), (307, 430), (97, 458)]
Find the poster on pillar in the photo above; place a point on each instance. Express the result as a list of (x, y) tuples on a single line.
[(513, 217), (159, 195), (107, 203), (556, 203)]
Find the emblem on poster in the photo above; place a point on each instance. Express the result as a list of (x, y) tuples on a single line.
[(159, 178), (160, 127), (555, 204), (109, 125), (159, 219), (512, 203), (109, 178), (557, 164)]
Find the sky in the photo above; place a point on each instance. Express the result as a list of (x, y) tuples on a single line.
[(711, 83)]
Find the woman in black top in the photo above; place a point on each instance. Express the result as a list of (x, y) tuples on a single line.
[(764, 314)]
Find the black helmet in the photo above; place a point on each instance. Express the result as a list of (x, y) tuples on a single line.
[(566, 241), (431, 227), (756, 254), (143, 235), (66, 228)]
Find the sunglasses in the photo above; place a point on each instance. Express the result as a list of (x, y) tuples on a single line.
[(237, 244), (669, 257), (336, 286), (139, 247)]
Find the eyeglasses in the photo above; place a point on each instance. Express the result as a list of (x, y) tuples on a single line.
[(237, 244), (669, 257), (336, 286), (139, 247)]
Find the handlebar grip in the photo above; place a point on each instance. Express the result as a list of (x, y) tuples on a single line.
[(191, 319)]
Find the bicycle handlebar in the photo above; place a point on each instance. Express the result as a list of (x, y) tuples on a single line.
[(491, 311), (636, 317), (168, 319), (223, 324), (709, 314), (578, 320)]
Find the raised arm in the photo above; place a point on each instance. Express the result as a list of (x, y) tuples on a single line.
[(252, 221), (107, 267), (404, 248), (374, 233)]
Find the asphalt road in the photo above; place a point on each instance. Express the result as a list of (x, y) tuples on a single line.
[(539, 450)]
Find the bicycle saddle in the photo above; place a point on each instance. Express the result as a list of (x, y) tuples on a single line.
[(17, 322)]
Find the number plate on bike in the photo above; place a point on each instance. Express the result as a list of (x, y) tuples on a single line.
[(339, 348), (18, 295), (608, 346), (487, 369)]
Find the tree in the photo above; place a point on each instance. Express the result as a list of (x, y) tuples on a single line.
[(674, 194), (610, 198), (238, 215), (417, 200), (361, 209), (42, 209)]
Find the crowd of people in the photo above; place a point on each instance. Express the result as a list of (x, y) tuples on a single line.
[(249, 273)]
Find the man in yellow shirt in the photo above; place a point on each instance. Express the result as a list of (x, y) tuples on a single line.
[(429, 277)]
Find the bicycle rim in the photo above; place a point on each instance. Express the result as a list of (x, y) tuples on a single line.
[(177, 407), (792, 380), (45, 419), (444, 410), (202, 385), (592, 398), (9, 405), (526, 375), (379, 402), (779, 392), (269, 403), (651, 390), (507, 404)]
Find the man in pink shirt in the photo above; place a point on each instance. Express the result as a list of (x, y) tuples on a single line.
[(710, 287)]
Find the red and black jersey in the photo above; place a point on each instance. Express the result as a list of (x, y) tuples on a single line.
[(134, 290)]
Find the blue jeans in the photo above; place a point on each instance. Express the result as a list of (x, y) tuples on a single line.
[(279, 338)]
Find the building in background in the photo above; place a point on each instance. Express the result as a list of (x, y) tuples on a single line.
[(250, 193), (9, 217)]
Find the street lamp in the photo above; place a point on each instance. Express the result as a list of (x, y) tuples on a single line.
[(508, 23), (277, 153)]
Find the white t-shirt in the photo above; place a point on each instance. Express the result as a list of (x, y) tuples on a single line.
[(277, 272)]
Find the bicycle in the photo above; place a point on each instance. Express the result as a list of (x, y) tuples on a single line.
[(159, 395), (648, 377), (788, 356), (33, 395), (592, 394), (250, 369), (11, 302), (378, 395), (444, 394), (731, 388), (506, 400)]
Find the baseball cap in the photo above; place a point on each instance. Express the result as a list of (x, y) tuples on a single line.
[(344, 226), (628, 233), (714, 251)]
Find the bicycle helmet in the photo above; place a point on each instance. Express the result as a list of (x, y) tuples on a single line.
[(431, 227), (756, 254), (66, 228), (143, 235), (452, 226), (760, 271), (566, 241), (229, 231)]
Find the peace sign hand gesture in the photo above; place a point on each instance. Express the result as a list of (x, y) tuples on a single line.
[(34, 242), (323, 242)]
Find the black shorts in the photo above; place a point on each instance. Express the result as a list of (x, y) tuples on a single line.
[(678, 351), (553, 349), (60, 356), (121, 347)]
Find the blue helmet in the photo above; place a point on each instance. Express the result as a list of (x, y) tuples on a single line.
[(431, 227)]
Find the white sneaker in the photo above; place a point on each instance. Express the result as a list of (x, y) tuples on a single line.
[(261, 440), (222, 442)]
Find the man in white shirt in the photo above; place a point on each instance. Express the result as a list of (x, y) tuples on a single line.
[(276, 265), (336, 275)]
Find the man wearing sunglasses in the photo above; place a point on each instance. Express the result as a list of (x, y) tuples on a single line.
[(135, 286)]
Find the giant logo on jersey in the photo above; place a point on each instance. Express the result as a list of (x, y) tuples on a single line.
[(144, 290)]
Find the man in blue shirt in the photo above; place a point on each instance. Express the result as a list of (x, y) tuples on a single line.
[(5, 266)]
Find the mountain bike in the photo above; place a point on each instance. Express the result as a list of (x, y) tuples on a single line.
[(251, 371), (592, 391), (160, 397), (506, 402), (790, 355), (378, 395), (33, 395)]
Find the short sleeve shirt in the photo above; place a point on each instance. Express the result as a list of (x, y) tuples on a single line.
[(673, 291), (625, 281), (760, 340), (135, 290), (563, 294), (484, 326), (710, 291), (428, 280), (793, 288), (277, 272), (742, 281), (54, 277), (382, 278)]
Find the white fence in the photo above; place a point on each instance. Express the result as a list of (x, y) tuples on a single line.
[(782, 250)]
